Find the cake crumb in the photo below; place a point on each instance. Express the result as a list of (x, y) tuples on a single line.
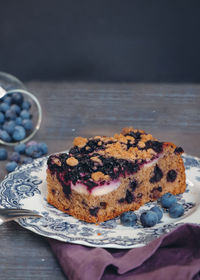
[(72, 161)]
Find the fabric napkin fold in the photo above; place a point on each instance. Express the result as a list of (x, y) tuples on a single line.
[(175, 255)]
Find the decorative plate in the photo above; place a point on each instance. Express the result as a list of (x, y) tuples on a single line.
[(26, 188)]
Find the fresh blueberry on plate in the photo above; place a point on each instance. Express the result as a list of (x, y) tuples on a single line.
[(149, 219), (158, 211), (128, 219), (176, 210), (167, 200)]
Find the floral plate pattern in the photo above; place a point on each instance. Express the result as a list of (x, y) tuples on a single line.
[(26, 188)]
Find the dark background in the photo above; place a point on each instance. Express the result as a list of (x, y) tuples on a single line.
[(139, 41)]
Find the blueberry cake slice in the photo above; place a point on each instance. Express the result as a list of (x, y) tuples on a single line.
[(102, 177)]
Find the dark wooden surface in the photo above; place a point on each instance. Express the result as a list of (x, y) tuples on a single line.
[(169, 111)]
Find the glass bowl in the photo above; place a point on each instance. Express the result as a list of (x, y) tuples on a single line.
[(10, 85)]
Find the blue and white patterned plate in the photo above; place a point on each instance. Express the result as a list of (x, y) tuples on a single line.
[(26, 188)]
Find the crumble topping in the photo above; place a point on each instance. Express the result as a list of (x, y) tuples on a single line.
[(99, 176), (80, 142), (72, 161), (56, 161)]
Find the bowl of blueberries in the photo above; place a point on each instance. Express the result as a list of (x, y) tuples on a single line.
[(20, 119), (20, 112)]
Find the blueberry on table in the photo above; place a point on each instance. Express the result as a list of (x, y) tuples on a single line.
[(2, 118), (10, 166), (176, 210), (27, 160), (43, 148), (5, 136), (19, 133), (15, 156), (20, 148), (128, 219), (149, 219), (24, 114), (158, 211), (17, 98), (167, 200), (3, 154), (33, 151)]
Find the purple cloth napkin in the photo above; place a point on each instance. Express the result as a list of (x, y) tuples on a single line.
[(175, 255)]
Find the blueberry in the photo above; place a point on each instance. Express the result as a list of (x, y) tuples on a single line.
[(167, 200), (20, 148), (4, 107), (19, 133), (158, 211), (31, 143), (9, 126), (27, 124), (26, 105), (149, 219), (27, 160), (176, 210), (24, 114), (5, 136), (171, 175), (15, 108), (17, 98), (33, 151), (7, 99), (3, 154), (15, 156), (10, 166), (2, 118), (128, 219), (158, 174), (10, 115), (18, 121), (43, 148)]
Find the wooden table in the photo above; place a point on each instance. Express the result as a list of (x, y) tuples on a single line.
[(169, 111)]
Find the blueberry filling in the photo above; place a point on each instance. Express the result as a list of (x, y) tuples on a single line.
[(94, 211), (158, 174), (155, 145), (171, 175)]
